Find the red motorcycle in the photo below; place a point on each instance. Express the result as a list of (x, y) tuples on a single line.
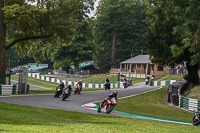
[(78, 89), (109, 105)]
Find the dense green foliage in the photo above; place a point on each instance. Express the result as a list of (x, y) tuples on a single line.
[(63, 53), (25, 23), (119, 31), (173, 35)]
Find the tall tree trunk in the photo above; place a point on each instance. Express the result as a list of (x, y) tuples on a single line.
[(114, 34), (76, 67), (193, 76), (2, 40)]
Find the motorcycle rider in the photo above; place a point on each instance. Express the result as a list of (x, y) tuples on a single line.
[(125, 82), (147, 80), (62, 86), (113, 94), (70, 88), (80, 84), (107, 84)]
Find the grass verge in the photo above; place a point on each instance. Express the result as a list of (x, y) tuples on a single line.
[(171, 77), (16, 118), (100, 79), (152, 105)]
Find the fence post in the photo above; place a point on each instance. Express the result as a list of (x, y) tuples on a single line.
[(14, 89)]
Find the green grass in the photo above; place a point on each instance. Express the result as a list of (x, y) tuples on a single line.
[(100, 79), (171, 77), (16, 118), (151, 105), (38, 82), (95, 79), (194, 92), (46, 84)]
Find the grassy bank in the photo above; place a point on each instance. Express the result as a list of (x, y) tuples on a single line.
[(16, 118), (171, 77), (46, 84), (100, 79), (95, 79), (192, 92), (152, 105)]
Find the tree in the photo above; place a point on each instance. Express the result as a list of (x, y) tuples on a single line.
[(119, 30), (80, 48), (22, 23), (173, 27)]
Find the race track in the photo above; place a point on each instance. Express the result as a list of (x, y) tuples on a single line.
[(75, 102)]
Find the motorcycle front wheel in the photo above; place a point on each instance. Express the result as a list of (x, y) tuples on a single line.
[(195, 121), (56, 94), (64, 97), (109, 108)]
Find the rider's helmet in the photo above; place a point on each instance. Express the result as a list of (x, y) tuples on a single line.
[(115, 93), (69, 85)]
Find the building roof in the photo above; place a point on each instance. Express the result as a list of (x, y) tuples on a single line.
[(140, 59)]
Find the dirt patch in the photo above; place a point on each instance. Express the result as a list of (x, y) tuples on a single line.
[(165, 97)]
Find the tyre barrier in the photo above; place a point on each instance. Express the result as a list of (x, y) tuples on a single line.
[(8, 89)]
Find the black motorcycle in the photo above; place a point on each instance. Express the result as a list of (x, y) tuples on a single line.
[(58, 92), (196, 118), (66, 93), (107, 85)]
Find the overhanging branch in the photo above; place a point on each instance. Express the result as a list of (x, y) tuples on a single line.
[(24, 39)]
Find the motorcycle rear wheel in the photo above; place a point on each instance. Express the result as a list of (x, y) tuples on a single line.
[(195, 122), (109, 108)]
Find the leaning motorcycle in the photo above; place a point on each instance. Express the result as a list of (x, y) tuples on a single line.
[(66, 94), (196, 118), (58, 92), (78, 89), (125, 84), (109, 105)]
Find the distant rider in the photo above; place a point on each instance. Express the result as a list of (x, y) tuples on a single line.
[(147, 80), (113, 94), (107, 84)]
